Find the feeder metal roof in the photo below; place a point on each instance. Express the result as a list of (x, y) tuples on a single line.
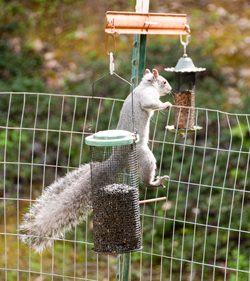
[(185, 64)]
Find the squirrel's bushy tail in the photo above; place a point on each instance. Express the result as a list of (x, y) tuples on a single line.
[(67, 201), (62, 205)]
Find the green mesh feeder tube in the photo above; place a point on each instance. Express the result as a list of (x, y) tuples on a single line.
[(115, 192)]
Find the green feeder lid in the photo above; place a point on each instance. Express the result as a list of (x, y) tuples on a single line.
[(111, 138)]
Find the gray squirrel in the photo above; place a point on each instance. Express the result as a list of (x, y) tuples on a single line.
[(145, 101), (67, 201)]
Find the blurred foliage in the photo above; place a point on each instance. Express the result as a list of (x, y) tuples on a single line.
[(59, 47)]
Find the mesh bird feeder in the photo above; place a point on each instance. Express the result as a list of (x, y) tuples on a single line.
[(184, 93), (115, 192)]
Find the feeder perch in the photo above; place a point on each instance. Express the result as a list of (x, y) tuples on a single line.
[(184, 95), (115, 192), (146, 23)]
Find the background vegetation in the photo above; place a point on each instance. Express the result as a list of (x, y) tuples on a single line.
[(58, 47)]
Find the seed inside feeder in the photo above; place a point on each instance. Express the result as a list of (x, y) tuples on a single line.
[(184, 112), (116, 219)]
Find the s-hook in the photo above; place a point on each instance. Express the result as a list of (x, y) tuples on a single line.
[(111, 64), (184, 44), (111, 54)]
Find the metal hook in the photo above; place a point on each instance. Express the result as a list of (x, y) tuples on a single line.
[(184, 44), (106, 43), (111, 64), (187, 28)]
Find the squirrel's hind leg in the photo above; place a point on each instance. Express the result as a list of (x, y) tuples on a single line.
[(147, 167)]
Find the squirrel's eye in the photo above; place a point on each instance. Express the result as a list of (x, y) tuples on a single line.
[(164, 82)]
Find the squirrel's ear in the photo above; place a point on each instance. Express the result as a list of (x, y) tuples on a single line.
[(147, 71), (155, 72)]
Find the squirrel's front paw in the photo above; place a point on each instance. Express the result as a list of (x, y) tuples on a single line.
[(161, 179), (167, 105)]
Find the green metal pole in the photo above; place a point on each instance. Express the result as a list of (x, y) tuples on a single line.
[(138, 68), (123, 267), (138, 59), (142, 57)]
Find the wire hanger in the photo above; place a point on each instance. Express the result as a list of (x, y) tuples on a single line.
[(112, 72)]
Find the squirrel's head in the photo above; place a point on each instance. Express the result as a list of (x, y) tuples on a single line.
[(157, 81)]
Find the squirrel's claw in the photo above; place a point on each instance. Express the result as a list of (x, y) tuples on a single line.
[(168, 105), (161, 179)]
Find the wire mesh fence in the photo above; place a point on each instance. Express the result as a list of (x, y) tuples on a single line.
[(200, 232)]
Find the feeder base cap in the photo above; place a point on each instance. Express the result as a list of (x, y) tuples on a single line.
[(172, 129), (116, 252)]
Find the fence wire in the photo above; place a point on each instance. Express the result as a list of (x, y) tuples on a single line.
[(200, 232)]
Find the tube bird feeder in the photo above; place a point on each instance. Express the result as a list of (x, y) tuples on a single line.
[(115, 192), (184, 94)]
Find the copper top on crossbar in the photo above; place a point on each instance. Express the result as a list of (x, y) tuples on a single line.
[(146, 23)]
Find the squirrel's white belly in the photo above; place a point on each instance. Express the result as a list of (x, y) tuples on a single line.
[(150, 112)]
